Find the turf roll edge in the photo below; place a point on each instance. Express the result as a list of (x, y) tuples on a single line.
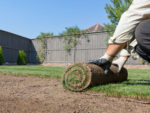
[(80, 76)]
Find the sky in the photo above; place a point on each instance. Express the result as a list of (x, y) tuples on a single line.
[(29, 18)]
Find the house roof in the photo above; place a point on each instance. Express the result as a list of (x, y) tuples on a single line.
[(94, 28)]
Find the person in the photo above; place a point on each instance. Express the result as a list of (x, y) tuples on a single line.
[(132, 34)]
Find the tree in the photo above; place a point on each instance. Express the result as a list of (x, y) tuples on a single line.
[(43, 35), (1, 56), (108, 27), (75, 30), (116, 9), (70, 35)]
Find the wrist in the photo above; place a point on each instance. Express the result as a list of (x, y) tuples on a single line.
[(123, 58)]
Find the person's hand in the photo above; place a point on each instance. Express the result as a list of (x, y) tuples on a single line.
[(104, 61), (120, 62)]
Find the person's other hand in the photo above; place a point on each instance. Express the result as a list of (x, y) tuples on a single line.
[(120, 62)]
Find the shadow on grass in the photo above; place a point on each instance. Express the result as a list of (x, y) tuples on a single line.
[(138, 82)]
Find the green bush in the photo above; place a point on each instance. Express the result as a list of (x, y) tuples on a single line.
[(1, 56), (144, 62), (21, 58)]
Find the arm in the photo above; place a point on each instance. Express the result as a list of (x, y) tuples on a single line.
[(124, 33)]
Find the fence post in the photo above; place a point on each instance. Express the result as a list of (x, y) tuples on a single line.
[(45, 49)]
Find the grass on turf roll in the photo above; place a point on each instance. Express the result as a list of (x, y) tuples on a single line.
[(78, 77)]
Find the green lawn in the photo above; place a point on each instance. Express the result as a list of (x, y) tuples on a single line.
[(36, 70), (138, 84)]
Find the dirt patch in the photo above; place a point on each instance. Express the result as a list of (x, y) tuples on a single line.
[(28, 94), (137, 66)]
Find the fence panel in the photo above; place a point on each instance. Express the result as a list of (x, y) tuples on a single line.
[(91, 46)]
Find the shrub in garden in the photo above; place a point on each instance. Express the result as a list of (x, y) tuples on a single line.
[(21, 58), (1, 56)]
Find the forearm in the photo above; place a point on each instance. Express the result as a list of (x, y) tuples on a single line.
[(114, 49)]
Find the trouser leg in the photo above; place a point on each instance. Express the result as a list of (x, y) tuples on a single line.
[(142, 35)]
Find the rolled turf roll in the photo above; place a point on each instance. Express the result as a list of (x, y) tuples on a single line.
[(79, 76)]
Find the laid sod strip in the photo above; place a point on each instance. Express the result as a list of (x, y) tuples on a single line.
[(137, 85), (35, 70), (80, 76)]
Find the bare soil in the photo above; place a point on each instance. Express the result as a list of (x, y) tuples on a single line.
[(137, 66), (29, 94)]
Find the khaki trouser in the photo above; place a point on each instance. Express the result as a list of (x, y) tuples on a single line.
[(138, 11)]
